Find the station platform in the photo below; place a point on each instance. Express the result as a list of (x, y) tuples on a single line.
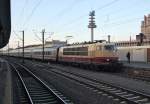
[(5, 83), (137, 65)]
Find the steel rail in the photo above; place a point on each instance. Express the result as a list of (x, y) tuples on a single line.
[(22, 82), (44, 84), (130, 101), (59, 99)]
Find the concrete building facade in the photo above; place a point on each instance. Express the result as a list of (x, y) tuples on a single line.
[(145, 27)]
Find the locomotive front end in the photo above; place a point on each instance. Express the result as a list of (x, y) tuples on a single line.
[(107, 57)]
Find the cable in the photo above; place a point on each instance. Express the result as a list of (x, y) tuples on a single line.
[(69, 8), (37, 36), (122, 22), (22, 11), (17, 35), (81, 17), (66, 10), (118, 23), (32, 12), (106, 5)]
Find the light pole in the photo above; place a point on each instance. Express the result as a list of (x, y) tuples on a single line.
[(43, 53), (108, 38), (18, 48), (92, 24), (68, 37), (23, 45), (42, 40)]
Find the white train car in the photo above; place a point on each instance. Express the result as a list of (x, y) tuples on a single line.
[(137, 53), (49, 53)]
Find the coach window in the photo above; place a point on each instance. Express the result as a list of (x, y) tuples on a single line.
[(0, 64), (99, 48), (77, 51), (70, 51), (64, 49)]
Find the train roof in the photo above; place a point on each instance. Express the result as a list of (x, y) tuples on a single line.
[(91, 44), (134, 47)]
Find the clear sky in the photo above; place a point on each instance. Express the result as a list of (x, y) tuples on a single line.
[(118, 18)]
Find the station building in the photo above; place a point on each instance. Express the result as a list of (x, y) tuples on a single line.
[(145, 27), (138, 52)]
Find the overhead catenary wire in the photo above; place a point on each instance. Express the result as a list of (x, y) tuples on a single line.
[(123, 17), (97, 9), (49, 36), (31, 14), (106, 5), (69, 8), (22, 10), (37, 36), (39, 2), (118, 22), (125, 21), (85, 15), (35, 33), (122, 22), (17, 35), (66, 10)]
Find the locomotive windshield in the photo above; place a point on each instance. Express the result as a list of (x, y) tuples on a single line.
[(109, 47)]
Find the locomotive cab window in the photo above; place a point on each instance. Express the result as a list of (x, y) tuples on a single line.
[(109, 47)]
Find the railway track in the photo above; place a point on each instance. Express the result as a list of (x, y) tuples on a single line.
[(33, 90), (119, 94), (125, 74), (136, 78), (19, 93), (128, 74)]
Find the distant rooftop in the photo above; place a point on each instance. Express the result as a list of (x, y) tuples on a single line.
[(132, 43)]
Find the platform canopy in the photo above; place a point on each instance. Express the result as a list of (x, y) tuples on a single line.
[(5, 22)]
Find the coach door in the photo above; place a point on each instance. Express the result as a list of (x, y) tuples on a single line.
[(148, 54)]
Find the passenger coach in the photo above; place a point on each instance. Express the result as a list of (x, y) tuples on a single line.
[(96, 56)]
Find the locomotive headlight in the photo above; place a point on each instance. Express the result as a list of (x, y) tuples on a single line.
[(107, 59)]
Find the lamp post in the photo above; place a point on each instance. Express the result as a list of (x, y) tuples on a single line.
[(92, 24), (43, 40), (68, 37), (43, 53), (108, 38), (23, 46)]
